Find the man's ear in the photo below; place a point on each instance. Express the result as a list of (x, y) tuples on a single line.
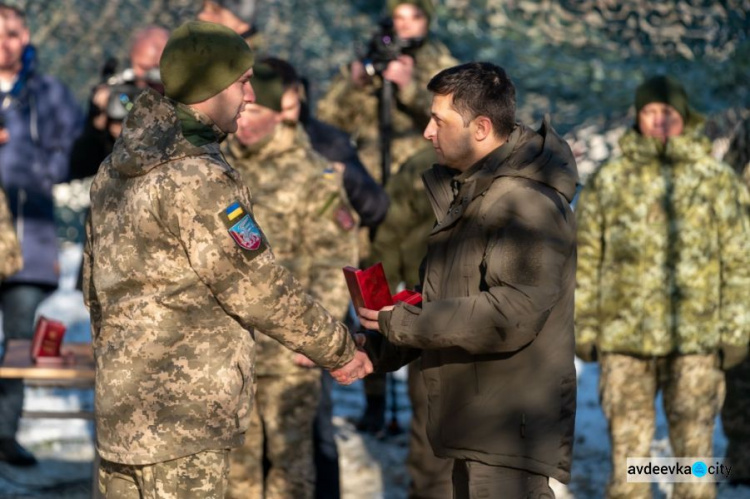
[(482, 128)]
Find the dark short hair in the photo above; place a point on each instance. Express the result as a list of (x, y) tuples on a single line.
[(479, 89)]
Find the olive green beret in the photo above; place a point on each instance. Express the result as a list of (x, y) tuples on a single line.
[(666, 90), (268, 86), (201, 59), (425, 5)]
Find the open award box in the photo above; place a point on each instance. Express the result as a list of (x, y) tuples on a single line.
[(369, 288)]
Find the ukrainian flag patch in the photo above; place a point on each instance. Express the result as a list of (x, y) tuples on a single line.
[(243, 229)]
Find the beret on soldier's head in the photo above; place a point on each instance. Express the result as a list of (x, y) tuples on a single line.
[(201, 59), (663, 89), (268, 85), (425, 6)]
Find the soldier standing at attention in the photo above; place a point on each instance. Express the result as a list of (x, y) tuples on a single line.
[(300, 201), (663, 281), (178, 274)]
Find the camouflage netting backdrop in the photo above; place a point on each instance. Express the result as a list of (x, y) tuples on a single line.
[(578, 60)]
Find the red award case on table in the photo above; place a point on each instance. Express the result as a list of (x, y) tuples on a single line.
[(45, 346), (369, 288)]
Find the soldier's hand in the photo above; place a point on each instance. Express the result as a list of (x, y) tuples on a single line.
[(400, 71), (303, 361), (369, 318), (359, 367), (359, 75)]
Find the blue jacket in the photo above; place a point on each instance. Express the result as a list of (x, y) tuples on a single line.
[(43, 119)]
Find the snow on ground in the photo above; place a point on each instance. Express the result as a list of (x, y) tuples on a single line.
[(370, 468)]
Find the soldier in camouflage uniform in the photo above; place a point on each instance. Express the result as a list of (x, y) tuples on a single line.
[(300, 201), (663, 280), (178, 274), (734, 413), (351, 103), (401, 244), (11, 259)]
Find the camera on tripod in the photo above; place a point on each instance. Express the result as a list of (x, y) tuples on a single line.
[(385, 46)]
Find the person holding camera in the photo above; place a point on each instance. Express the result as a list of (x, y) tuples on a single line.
[(404, 55)]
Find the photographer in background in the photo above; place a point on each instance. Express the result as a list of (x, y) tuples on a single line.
[(352, 104), (111, 99), (405, 55), (40, 118)]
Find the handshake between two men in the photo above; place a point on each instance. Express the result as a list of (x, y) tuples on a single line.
[(361, 365)]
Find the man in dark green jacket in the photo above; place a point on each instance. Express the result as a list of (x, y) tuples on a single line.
[(495, 330)]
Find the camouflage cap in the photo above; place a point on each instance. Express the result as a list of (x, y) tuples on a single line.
[(664, 89), (201, 59), (268, 86), (425, 6)]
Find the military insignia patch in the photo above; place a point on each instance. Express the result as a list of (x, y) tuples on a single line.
[(243, 228)]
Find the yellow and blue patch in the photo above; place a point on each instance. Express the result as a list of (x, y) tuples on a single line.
[(243, 229)]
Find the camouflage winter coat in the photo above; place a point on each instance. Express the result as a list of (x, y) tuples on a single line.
[(177, 273), (355, 109), (11, 259), (664, 259), (301, 205)]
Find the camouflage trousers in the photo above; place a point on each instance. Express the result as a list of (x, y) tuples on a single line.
[(201, 475), (693, 390), (735, 418), (281, 434)]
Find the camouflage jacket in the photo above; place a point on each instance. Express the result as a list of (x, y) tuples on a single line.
[(299, 201), (177, 273), (355, 109), (401, 239), (664, 259), (11, 259)]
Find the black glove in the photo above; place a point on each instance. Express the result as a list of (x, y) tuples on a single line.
[(731, 356), (586, 352)]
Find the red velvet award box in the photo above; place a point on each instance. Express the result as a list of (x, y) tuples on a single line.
[(369, 288)]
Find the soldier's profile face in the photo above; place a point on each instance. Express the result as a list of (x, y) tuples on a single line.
[(409, 21), (14, 36), (225, 107), (256, 123), (660, 120)]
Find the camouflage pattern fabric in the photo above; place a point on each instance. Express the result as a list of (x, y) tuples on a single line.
[(177, 274), (693, 390), (282, 417), (198, 476), (664, 259), (11, 259), (401, 239), (355, 110), (300, 202)]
